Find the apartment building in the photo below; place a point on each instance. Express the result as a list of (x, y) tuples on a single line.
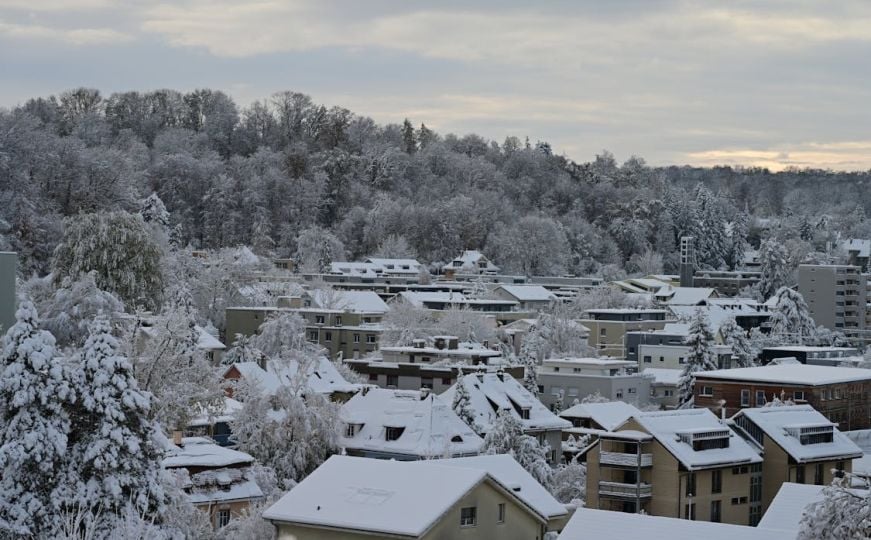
[(726, 282), (836, 296), (528, 297), (667, 349), (608, 327), (561, 381), (407, 376), (800, 445), (838, 393), (664, 386), (815, 356), (682, 464), (440, 349)]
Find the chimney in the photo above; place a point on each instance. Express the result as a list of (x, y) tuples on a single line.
[(176, 438), (722, 404), (501, 374), (480, 376), (424, 393)]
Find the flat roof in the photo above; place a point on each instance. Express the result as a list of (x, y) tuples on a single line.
[(798, 374)]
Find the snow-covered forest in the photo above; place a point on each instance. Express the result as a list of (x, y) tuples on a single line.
[(284, 171)]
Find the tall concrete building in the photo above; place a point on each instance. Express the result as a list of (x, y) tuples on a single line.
[(687, 260), (8, 268), (836, 296)]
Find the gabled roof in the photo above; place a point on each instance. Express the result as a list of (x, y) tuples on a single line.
[(587, 524), (396, 266), (353, 301), (859, 245), (663, 375), (668, 426), (776, 422), (684, 296), (491, 392), (528, 293), (207, 341), (322, 375), (387, 497), (203, 452), (431, 428), (795, 374), (513, 477), (609, 415), (787, 508)]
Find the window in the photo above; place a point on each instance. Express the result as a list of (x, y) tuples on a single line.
[(370, 338), (745, 398), (662, 359), (691, 484), (393, 433), (373, 377), (681, 360), (447, 381), (556, 391), (632, 390), (755, 488), (313, 336), (524, 414), (799, 474), (338, 320), (319, 319), (392, 380), (818, 474), (755, 515), (798, 395), (603, 331), (468, 516), (716, 515), (328, 336), (690, 511), (647, 359), (500, 513), (716, 481), (426, 382), (669, 393), (223, 517), (707, 391), (356, 338), (619, 394), (739, 500), (573, 392), (556, 370), (760, 398)]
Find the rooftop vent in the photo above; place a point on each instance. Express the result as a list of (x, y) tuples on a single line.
[(812, 433)]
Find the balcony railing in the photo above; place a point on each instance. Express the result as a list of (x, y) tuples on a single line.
[(626, 460), (619, 489)]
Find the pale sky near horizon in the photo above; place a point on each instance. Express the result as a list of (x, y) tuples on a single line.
[(777, 83)]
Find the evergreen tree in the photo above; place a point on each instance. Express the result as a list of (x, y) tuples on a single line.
[(791, 322), (774, 266), (699, 357), (114, 458), (530, 376), (506, 437), (409, 144), (34, 389), (462, 405), (844, 513), (735, 337)]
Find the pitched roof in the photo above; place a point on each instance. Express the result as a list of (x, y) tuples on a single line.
[(491, 392), (778, 422), (374, 495), (203, 452), (323, 377), (787, 508), (528, 293), (684, 296), (798, 374), (354, 301), (431, 428), (609, 415), (670, 427)]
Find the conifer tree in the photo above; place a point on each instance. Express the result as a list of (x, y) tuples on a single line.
[(462, 405), (700, 356), (791, 322), (735, 337)]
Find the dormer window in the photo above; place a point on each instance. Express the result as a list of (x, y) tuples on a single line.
[(393, 433), (706, 439), (812, 433), (524, 413), (456, 439), (352, 429)]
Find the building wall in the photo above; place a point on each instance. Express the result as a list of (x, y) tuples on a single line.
[(8, 268), (629, 388), (415, 376), (519, 523), (835, 295), (612, 341)]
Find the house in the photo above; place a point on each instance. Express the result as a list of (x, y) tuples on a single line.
[(529, 297), (561, 381), (405, 425), (513, 333), (397, 267), (838, 393), (748, 313), (684, 296), (206, 342), (664, 386), (588, 524), (726, 282), (800, 445), (816, 356), (682, 464), (360, 269), (472, 261), (442, 349), (320, 374), (350, 497), (215, 479), (787, 508), (608, 327), (606, 416), (214, 424), (414, 376), (858, 251), (667, 348), (494, 392), (361, 302)]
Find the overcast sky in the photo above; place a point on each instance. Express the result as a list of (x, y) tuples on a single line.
[(778, 83)]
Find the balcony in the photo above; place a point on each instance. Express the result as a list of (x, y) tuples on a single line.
[(626, 460), (631, 491)]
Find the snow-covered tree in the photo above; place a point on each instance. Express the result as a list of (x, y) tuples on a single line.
[(735, 337), (462, 405), (114, 449), (844, 513), (506, 437), (779, 401), (242, 351), (406, 322), (118, 248), (556, 333), (699, 357), (774, 266), (570, 482), (283, 337), (530, 376), (466, 324), (316, 248), (395, 246), (35, 390), (791, 322), (290, 431), (595, 398)]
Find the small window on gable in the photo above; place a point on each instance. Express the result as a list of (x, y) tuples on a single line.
[(393, 433), (456, 439)]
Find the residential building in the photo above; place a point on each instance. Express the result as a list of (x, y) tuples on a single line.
[(608, 327), (491, 393), (799, 444), (815, 356), (350, 497), (473, 261), (561, 381), (684, 296), (514, 333), (214, 424), (838, 393), (605, 416), (206, 342), (321, 376), (404, 425), (664, 386), (440, 301), (836, 296), (748, 313), (216, 480), (667, 348), (589, 524), (441, 349), (397, 267), (528, 297), (407, 376), (858, 252), (682, 464), (728, 283)]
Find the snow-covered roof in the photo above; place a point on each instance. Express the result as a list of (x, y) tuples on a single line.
[(491, 392), (207, 418), (431, 427), (717, 314), (375, 495), (663, 376), (396, 266), (784, 424), (243, 490), (678, 329), (354, 301), (528, 293), (355, 268), (609, 415), (323, 377), (203, 452), (847, 351), (798, 374), (418, 298), (672, 428), (468, 350), (684, 296), (207, 341), (861, 246), (587, 523), (787, 508), (505, 470), (862, 438)]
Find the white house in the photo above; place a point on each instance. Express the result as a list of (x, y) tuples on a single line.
[(529, 297), (473, 262)]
